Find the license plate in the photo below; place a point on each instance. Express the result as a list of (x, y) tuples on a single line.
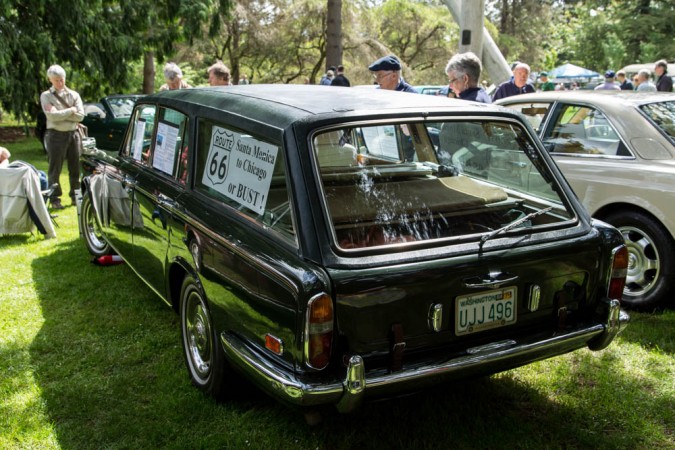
[(484, 310)]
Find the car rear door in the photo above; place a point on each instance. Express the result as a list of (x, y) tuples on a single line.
[(157, 185)]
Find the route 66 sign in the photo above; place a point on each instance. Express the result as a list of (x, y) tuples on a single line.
[(240, 167), (218, 160)]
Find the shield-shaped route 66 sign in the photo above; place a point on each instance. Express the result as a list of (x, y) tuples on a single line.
[(218, 162)]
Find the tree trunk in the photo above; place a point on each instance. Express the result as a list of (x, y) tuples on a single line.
[(333, 33), (149, 72), (233, 51)]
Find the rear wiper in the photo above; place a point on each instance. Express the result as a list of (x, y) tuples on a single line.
[(512, 225)]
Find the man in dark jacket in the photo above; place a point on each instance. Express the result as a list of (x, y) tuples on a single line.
[(624, 83), (387, 74), (663, 81), (518, 85), (340, 78)]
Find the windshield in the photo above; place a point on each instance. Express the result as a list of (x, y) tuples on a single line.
[(393, 183), (122, 106), (663, 115)]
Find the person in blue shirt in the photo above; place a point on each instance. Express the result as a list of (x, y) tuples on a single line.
[(464, 71), (327, 78), (387, 74), (517, 85)]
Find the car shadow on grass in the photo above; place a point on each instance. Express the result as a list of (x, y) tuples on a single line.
[(109, 366)]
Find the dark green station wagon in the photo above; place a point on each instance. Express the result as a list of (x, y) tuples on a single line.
[(310, 240)]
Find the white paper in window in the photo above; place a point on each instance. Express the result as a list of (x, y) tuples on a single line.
[(164, 155), (137, 140), (381, 141)]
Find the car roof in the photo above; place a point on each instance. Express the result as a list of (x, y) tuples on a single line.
[(596, 97), (124, 95), (282, 104), (635, 68)]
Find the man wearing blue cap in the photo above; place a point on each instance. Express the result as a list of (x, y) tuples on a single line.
[(609, 84), (387, 74)]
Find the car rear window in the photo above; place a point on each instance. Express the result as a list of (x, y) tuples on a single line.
[(394, 183), (662, 114)]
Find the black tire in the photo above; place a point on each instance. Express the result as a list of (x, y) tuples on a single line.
[(91, 229), (651, 259), (204, 358)]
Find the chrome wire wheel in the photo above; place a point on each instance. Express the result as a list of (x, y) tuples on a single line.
[(197, 336), (91, 229), (644, 263), (203, 355)]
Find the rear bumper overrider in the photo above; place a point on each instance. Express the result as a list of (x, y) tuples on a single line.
[(347, 394)]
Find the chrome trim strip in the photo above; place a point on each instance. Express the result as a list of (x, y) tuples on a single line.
[(436, 317)]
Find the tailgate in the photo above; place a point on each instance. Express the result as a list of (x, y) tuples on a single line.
[(453, 304)]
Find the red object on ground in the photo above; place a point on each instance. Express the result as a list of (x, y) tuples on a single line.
[(107, 260)]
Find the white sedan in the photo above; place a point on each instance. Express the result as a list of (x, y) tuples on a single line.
[(617, 150)]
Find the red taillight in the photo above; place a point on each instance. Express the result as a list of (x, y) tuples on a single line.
[(319, 331), (617, 279)]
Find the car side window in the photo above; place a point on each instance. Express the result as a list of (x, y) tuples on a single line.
[(534, 112), (157, 139), (139, 136), (584, 130), (245, 172), (168, 153)]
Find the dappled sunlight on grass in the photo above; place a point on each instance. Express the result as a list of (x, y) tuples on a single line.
[(91, 358)]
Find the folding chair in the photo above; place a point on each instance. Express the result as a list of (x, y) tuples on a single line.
[(47, 197)]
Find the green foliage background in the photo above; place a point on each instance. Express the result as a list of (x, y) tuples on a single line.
[(102, 43)]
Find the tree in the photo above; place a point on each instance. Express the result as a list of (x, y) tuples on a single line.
[(422, 35), (525, 28), (95, 41), (334, 33)]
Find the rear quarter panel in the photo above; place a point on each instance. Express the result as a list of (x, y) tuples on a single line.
[(600, 183)]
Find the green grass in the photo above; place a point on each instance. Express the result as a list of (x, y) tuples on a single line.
[(90, 358)]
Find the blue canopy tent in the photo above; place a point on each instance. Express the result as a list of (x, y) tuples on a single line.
[(572, 71)]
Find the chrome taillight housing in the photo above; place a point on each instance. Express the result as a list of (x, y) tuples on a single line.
[(618, 272), (319, 331)]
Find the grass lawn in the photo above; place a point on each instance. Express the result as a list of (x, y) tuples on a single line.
[(90, 358)]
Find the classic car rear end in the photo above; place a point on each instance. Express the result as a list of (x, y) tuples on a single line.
[(335, 244), (442, 271)]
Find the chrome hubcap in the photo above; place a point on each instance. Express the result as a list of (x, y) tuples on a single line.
[(644, 264), (198, 335), (92, 229)]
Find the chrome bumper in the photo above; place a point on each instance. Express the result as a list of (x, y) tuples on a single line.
[(347, 394)]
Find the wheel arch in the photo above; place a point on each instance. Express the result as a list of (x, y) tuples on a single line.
[(179, 268), (650, 249), (622, 208), (177, 273)]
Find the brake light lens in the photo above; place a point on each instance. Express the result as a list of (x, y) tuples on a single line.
[(617, 278), (319, 331)]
